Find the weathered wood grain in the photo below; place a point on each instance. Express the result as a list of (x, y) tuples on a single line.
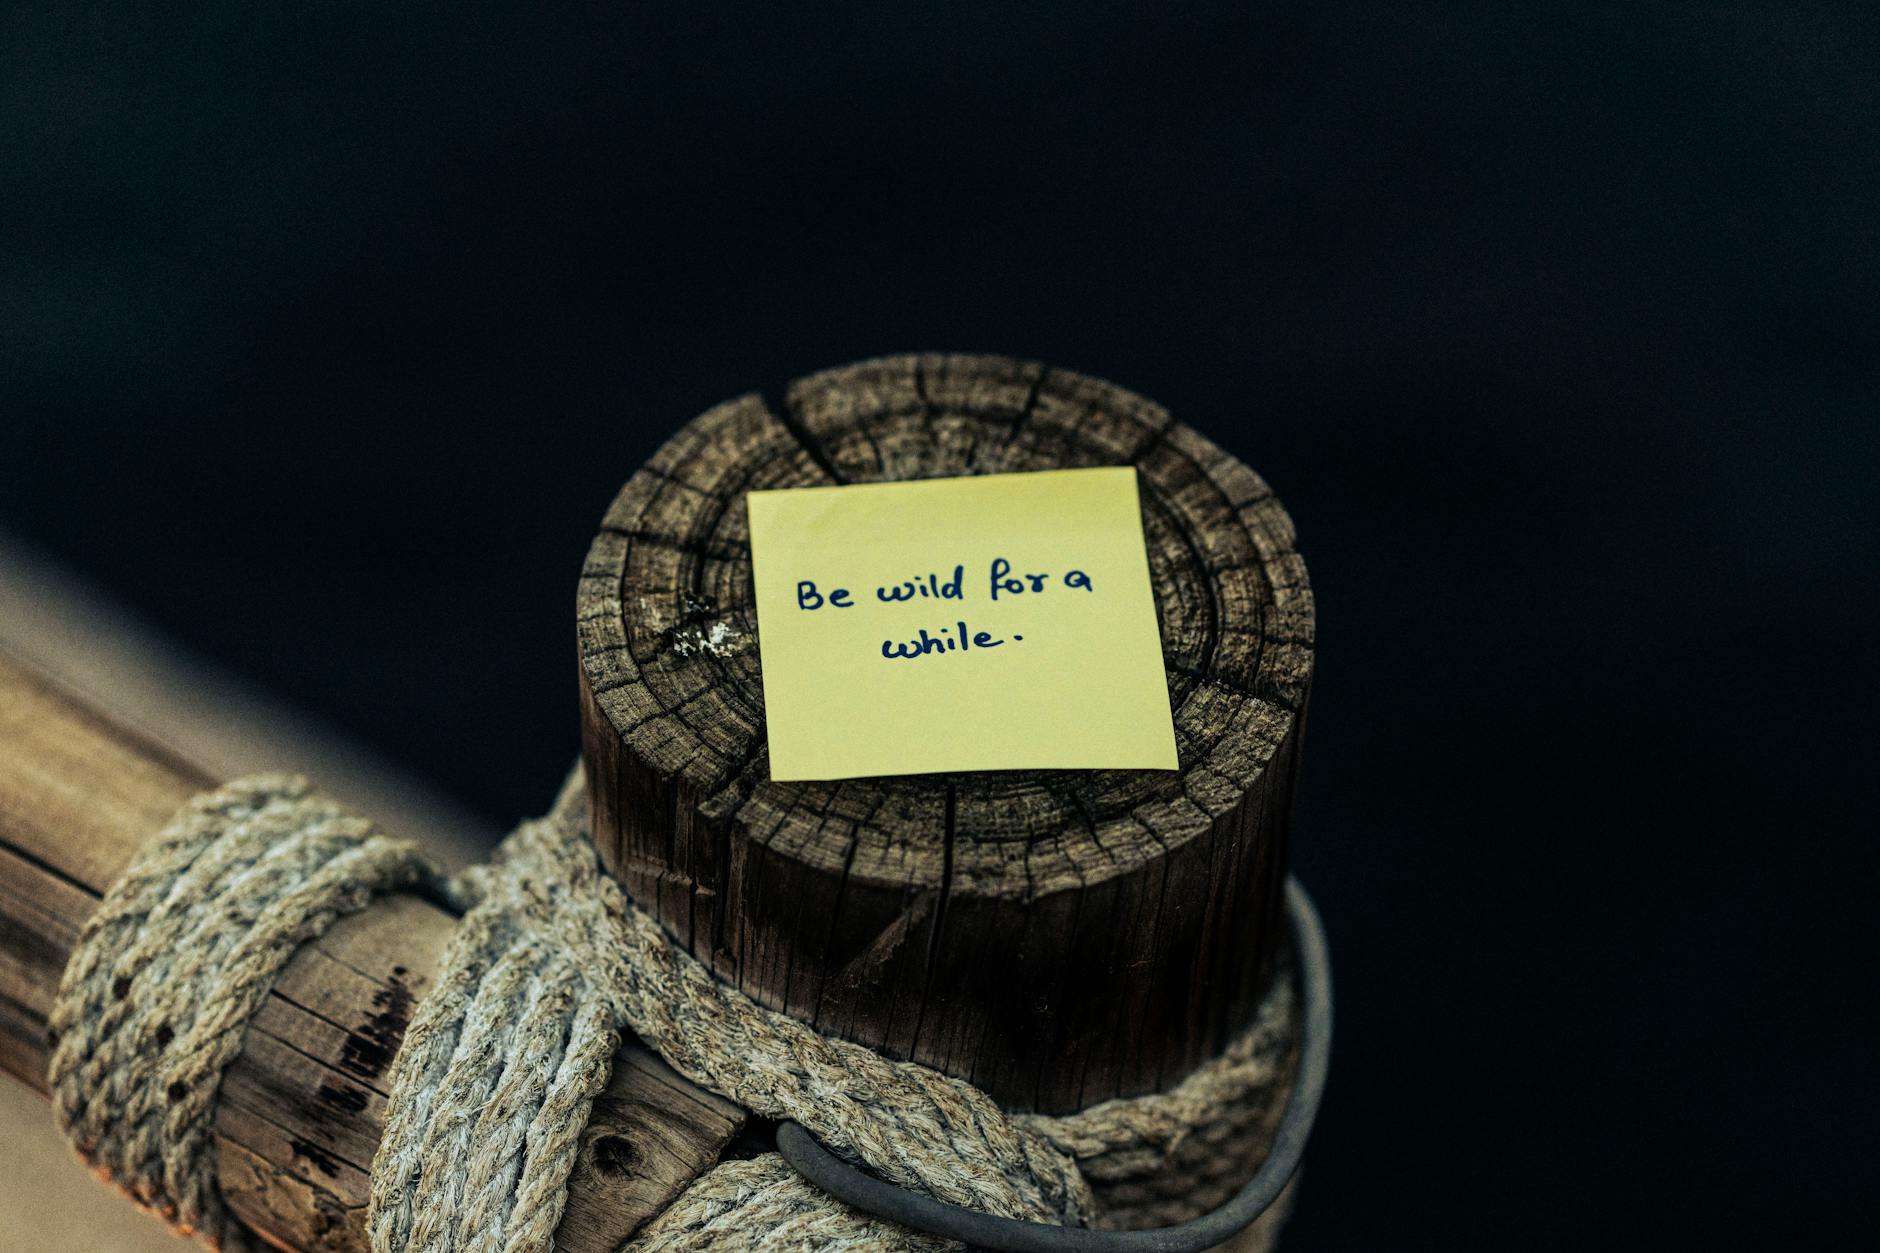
[(300, 1111), (1057, 937)]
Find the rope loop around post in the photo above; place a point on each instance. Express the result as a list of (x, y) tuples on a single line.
[(158, 992), (500, 1066), (1006, 1235)]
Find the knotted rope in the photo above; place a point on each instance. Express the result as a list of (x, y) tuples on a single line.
[(493, 1084)]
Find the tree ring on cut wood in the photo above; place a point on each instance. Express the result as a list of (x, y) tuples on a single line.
[(1057, 937)]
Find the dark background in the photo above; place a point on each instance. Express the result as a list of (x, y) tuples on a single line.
[(327, 333)]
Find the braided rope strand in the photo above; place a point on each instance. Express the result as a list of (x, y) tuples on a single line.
[(909, 1124), (156, 998), (762, 1204)]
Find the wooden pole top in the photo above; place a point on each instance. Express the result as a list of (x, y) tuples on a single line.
[(1057, 937)]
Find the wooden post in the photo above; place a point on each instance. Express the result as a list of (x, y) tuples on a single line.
[(1056, 937), (299, 1113)]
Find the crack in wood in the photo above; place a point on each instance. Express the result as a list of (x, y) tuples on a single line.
[(878, 908)]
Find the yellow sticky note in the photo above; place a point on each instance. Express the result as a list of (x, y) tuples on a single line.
[(1002, 622)]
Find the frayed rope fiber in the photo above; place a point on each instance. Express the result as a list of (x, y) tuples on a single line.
[(493, 1084)]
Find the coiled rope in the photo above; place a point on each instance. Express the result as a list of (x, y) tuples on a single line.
[(500, 1066)]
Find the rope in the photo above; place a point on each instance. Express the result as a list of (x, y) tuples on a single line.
[(500, 1066), (157, 994)]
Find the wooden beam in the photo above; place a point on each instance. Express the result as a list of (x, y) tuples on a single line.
[(301, 1110)]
